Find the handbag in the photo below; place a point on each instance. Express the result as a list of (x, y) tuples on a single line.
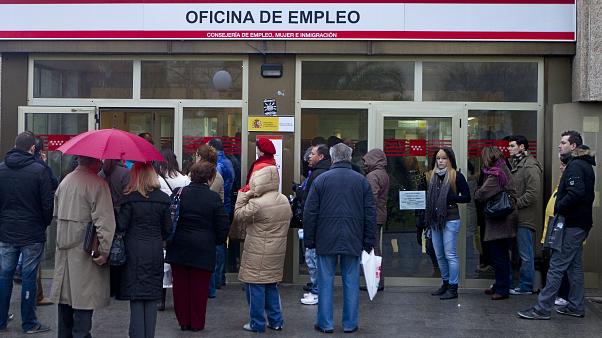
[(117, 255), (499, 206), (174, 210), (91, 241), (553, 239)]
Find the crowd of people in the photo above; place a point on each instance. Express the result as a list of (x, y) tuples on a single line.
[(186, 220)]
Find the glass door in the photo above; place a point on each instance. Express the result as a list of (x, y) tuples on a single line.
[(409, 138), (55, 125)]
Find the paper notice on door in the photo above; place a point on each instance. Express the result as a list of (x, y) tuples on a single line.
[(411, 200)]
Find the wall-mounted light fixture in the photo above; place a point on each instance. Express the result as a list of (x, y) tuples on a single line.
[(271, 70)]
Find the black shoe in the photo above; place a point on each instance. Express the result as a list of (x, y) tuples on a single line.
[(532, 314), (363, 288), (441, 290), (381, 287), (450, 293), (317, 328), (352, 330), (185, 328), (37, 329), (275, 328), (308, 287), (564, 310)]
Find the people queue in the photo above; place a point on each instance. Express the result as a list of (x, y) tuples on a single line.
[(165, 216)]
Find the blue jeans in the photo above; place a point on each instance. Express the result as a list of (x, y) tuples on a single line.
[(312, 268), (445, 245), (350, 271), (264, 299), (9, 256), (220, 262), (524, 239)]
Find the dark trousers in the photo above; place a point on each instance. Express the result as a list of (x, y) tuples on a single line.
[(563, 292), (74, 323), (499, 256), (190, 293), (143, 318)]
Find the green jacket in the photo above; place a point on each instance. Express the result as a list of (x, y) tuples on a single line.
[(527, 174)]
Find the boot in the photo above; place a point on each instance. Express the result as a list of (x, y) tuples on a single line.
[(451, 293), (442, 289), (161, 305)]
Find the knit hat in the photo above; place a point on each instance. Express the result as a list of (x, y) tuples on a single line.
[(266, 146)]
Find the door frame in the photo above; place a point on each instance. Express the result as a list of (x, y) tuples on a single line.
[(459, 116), (22, 110)]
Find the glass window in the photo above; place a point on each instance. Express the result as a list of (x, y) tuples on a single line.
[(106, 79), (488, 128), (203, 124), (480, 81), (159, 122), (409, 143), (191, 80), (357, 80)]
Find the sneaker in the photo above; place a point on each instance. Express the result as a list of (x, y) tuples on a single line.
[(247, 327), (564, 310), (309, 299), (561, 302), (39, 328), (518, 291), (531, 313)]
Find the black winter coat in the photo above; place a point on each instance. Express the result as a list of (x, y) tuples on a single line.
[(575, 195), (26, 199), (340, 213), (202, 225), (146, 222)]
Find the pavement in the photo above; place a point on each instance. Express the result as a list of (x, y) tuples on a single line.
[(395, 312)]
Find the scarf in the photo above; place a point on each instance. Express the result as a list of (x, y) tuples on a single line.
[(498, 171), (261, 162), (436, 199)]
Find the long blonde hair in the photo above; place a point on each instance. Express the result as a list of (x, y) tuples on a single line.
[(451, 167), (143, 179)]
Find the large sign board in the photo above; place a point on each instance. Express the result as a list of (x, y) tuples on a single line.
[(481, 20)]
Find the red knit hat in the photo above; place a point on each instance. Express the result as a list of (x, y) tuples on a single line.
[(266, 146)]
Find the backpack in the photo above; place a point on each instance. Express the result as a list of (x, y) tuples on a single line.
[(174, 211)]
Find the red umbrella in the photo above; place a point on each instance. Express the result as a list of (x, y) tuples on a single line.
[(111, 144)]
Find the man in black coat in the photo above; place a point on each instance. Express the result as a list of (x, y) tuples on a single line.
[(339, 221), (574, 202), (26, 206), (319, 163)]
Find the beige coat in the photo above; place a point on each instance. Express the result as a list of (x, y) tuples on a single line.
[(266, 214), (82, 197)]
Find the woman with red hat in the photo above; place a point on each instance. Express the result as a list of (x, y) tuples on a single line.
[(266, 151)]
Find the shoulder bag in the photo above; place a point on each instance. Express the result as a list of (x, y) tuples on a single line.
[(499, 206)]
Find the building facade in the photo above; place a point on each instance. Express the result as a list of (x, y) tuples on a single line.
[(444, 80)]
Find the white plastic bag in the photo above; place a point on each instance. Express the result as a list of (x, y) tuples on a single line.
[(167, 277), (371, 265)]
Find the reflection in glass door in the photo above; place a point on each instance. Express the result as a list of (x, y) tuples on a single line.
[(409, 143), (55, 126), (159, 122)]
